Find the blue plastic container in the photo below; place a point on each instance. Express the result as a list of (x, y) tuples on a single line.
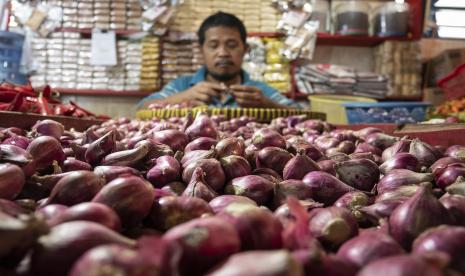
[(11, 50), (386, 112)]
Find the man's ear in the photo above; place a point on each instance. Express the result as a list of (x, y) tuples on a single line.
[(246, 47)]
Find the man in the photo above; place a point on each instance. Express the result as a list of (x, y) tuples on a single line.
[(221, 82)]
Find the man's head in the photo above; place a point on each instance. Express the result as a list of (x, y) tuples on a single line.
[(222, 38)]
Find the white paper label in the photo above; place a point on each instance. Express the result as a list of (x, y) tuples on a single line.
[(103, 50)]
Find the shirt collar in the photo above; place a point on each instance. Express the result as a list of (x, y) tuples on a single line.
[(199, 76)]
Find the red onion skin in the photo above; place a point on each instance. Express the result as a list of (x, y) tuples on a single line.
[(67, 242), (167, 169), (326, 142), (332, 226), (201, 143), (101, 147), (310, 150), (425, 153), (197, 155), (254, 187), (443, 163), (12, 181), (198, 187), (310, 125), (19, 141), (48, 128), (299, 166), (325, 187), (235, 166), (273, 158), (449, 175), (219, 203), (109, 173), (156, 149), (245, 219), (51, 211), (272, 263), (403, 192), (417, 214), (18, 236), (327, 166), (292, 187), (114, 258), (400, 177), (362, 133), (455, 204), (201, 127), (267, 137), (170, 211), (346, 147), (129, 158), (75, 165), (400, 265), (214, 173), (175, 139), (381, 140), (75, 188), (18, 156), (130, 197), (344, 135), (401, 146), (205, 242), (361, 174), (174, 188), (380, 210), (369, 247), (317, 263), (230, 146), (447, 239), (365, 147), (48, 182), (45, 150), (89, 211), (353, 200), (401, 160), (12, 208), (457, 152), (269, 174)]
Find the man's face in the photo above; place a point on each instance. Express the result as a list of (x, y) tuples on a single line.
[(223, 51)]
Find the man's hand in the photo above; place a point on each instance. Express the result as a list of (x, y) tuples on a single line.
[(202, 93)]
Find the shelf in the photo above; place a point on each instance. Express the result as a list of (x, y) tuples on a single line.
[(88, 31), (359, 41), (302, 96), (90, 92), (265, 34)]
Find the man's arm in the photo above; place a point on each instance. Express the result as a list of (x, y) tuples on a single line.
[(200, 94), (252, 96)]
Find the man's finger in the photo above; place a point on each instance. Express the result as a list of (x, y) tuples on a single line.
[(246, 95), (245, 88)]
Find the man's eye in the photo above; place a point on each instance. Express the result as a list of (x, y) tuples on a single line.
[(212, 45), (232, 45)]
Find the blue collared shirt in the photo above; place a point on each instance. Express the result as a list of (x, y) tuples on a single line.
[(183, 83)]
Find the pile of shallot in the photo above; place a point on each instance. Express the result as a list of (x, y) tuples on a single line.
[(209, 196)]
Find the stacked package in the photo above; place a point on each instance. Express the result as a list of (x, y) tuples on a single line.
[(277, 69), (255, 59), (63, 61), (336, 79), (149, 78), (103, 14), (265, 63), (180, 57), (258, 16), (401, 62)]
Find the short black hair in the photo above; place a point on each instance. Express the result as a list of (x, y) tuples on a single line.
[(222, 19)]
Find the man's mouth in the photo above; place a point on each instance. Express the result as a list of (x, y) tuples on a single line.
[(225, 63)]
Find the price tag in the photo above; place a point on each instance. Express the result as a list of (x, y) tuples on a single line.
[(103, 50)]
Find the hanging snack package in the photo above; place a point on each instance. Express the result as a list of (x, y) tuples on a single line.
[(302, 44)]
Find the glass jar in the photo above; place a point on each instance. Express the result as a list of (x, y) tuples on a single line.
[(352, 18), (391, 19), (322, 14)]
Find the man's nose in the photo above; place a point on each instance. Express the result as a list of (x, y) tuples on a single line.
[(223, 51)]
